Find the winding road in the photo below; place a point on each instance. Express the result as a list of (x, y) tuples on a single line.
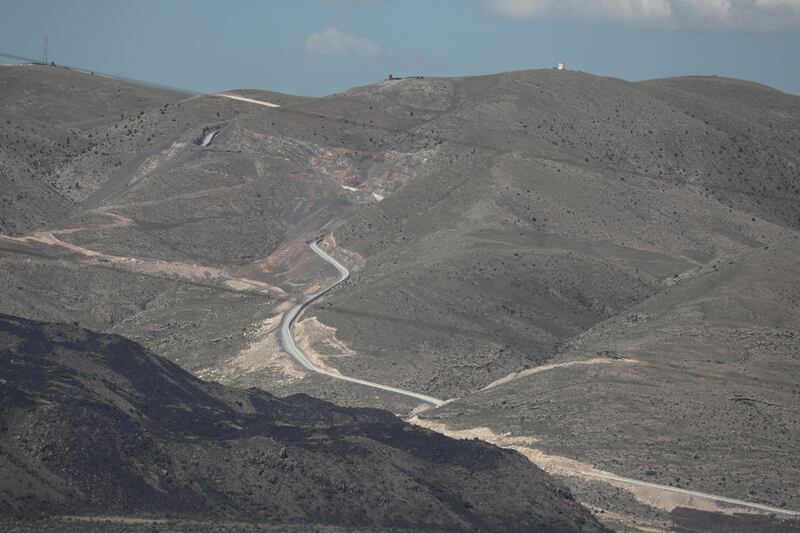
[(704, 495), (287, 340)]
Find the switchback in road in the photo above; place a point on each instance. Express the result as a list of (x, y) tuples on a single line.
[(287, 340)]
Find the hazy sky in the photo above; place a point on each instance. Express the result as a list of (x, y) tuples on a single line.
[(317, 47)]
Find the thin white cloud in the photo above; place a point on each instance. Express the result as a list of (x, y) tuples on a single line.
[(330, 42), (724, 15)]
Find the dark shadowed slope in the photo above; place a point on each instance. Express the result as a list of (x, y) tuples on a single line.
[(94, 424)]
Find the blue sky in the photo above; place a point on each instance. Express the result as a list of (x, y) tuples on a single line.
[(317, 47)]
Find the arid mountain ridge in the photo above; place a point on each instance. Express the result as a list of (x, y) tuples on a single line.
[(616, 235)]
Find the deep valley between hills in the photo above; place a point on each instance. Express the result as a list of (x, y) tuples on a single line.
[(598, 278)]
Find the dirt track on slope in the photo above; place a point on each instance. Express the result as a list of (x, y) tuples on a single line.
[(188, 271)]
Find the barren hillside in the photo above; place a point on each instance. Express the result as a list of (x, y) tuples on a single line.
[(598, 273)]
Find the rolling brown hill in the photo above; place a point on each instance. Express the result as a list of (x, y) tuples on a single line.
[(580, 263), (554, 201)]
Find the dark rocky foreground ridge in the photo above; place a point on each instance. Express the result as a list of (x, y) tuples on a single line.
[(95, 424)]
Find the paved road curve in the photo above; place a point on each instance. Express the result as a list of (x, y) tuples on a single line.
[(289, 345), (688, 492), (287, 340)]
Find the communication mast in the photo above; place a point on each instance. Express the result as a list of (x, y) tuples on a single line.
[(44, 51)]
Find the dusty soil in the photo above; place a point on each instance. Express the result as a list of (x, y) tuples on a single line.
[(606, 268)]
